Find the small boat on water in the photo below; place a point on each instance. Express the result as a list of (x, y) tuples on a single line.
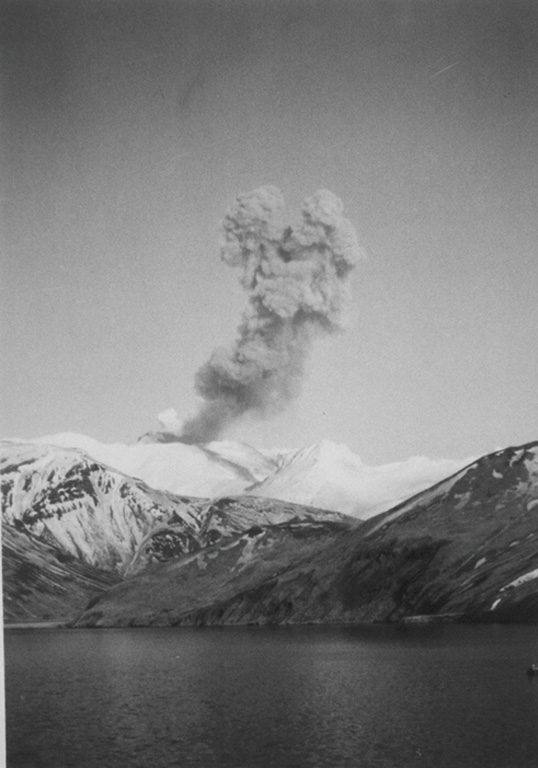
[(532, 670)]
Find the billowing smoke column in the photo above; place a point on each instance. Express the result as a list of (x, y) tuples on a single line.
[(296, 278)]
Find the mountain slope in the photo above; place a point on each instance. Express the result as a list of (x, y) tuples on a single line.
[(41, 583), (163, 595), (466, 547)]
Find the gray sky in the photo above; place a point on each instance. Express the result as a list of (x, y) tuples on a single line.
[(130, 127)]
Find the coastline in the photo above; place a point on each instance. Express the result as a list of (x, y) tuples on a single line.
[(35, 625)]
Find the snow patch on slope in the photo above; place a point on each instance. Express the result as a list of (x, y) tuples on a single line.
[(529, 576)]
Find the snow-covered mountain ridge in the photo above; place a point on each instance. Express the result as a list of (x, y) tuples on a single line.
[(93, 513), (331, 476), (325, 474), (98, 515), (215, 469)]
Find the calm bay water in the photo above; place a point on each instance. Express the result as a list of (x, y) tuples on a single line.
[(281, 697)]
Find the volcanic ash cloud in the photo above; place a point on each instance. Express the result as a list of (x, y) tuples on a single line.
[(296, 278)]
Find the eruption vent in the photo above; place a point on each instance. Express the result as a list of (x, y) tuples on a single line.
[(296, 278)]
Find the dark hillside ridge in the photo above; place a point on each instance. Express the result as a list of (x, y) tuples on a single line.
[(170, 594)]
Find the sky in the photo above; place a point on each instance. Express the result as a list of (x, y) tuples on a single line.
[(129, 128)]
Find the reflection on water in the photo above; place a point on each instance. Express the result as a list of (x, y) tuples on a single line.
[(284, 697)]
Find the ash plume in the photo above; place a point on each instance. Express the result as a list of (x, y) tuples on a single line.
[(296, 279)]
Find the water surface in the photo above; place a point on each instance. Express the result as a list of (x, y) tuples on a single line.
[(272, 698)]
